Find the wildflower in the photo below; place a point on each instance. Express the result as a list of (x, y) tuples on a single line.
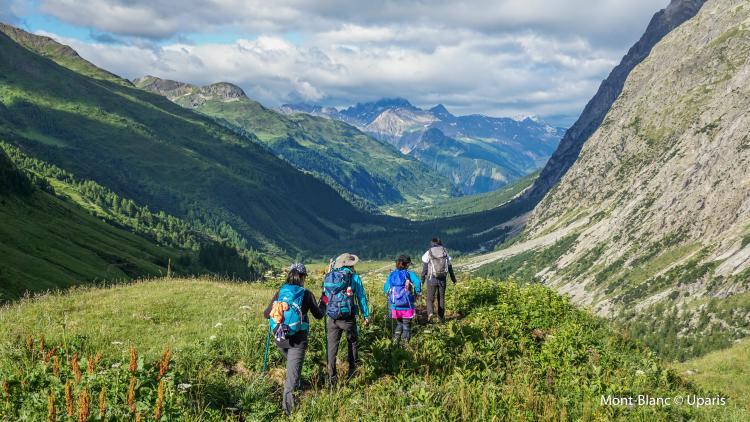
[(218, 324), (133, 360), (69, 398), (212, 338), (159, 401), (131, 394), (84, 406), (138, 417), (97, 359), (56, 365), (103, 402), (116, 365), (90, 366), (76, 368), (48, 355), (51, 411), (30, 343), (184, 386), (41, 344), (164, 362), (116, 343)]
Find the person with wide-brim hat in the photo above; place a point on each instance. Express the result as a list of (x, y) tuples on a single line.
[(344, 297)]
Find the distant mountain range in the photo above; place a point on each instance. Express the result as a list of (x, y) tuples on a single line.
[(476, 152), (333, 151)]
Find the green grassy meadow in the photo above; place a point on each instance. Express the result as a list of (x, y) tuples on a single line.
[(507, 352)]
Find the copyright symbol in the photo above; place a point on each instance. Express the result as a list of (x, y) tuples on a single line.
[(678, 400)]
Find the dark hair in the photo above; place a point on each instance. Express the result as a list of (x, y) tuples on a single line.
[(403, 261), (437, 241), (295, 277)]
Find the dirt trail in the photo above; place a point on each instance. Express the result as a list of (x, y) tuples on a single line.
[(474, 262)]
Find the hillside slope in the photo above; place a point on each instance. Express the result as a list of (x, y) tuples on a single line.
[(47, 243), (146, 148), (353, 163), (517, 353), (663, 190)]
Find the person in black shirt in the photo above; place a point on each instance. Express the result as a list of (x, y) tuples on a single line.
[(293, 347)]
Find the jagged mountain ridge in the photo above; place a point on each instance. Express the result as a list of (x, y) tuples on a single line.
[(490, 152), (664, 21), (334, 151)]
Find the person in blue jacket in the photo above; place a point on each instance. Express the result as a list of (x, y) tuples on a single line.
[(344, 298), (402, 287)]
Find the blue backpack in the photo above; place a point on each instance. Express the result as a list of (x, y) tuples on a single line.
[(293, 321), (399, 296), (336, 287)]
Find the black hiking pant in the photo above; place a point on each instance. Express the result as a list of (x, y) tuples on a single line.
[(335, 328), (436, 290), (295, 355)]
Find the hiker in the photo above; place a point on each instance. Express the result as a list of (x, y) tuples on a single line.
[(287, 315), (436, 267), (402, 286), (344, 297)]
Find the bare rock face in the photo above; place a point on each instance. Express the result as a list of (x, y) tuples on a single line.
[(661, 24), (188, 95), (663, 183)]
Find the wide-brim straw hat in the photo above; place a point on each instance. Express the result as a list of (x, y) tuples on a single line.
[(346, 260)]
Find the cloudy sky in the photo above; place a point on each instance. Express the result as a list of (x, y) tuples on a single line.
[(496, 57)]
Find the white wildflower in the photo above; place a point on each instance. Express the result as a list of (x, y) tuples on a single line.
[(184, 386), (212, 338)]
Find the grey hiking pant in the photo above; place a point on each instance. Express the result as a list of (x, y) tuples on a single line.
[(294, 355), (402, 330), (436, 290), (335, 328)]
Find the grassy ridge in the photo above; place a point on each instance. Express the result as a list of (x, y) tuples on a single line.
[(511, 352), (333, 151)]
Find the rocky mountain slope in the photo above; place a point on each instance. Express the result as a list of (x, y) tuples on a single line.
[(478, 153), (663, 191), (334, 151), (661, 24)]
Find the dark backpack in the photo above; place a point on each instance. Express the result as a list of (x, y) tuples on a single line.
[(337, 288), (438, 261), (400, 294)]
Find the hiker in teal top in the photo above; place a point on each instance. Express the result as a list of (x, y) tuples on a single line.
[(402, 287), (344, 297)]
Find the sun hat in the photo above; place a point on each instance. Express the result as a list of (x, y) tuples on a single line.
[(346, 260)]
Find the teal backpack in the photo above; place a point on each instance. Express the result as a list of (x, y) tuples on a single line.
[(293, 321)]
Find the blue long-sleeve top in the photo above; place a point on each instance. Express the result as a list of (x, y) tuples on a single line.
[(415, 281)]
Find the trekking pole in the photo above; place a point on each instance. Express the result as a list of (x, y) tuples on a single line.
[(325, 317), (265, 355)]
